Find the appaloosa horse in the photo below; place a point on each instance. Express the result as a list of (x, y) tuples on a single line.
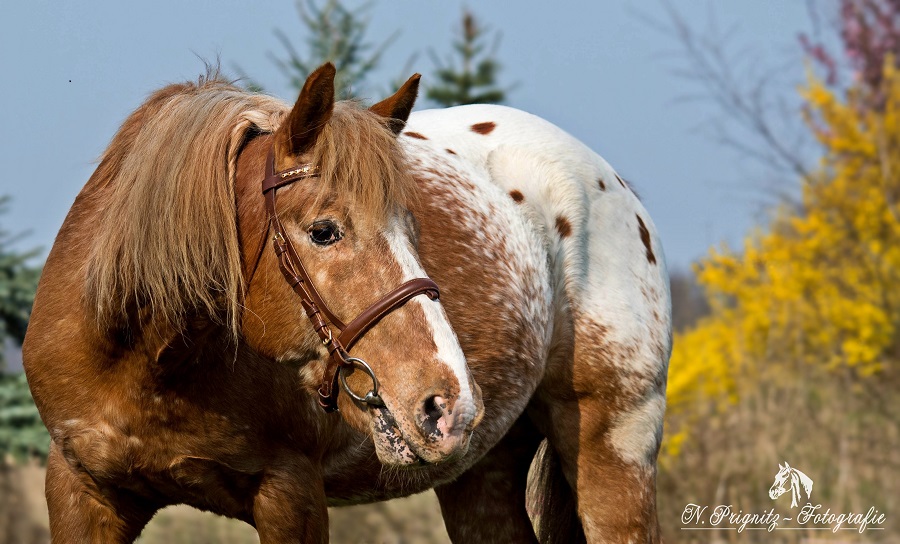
[(234, 266)]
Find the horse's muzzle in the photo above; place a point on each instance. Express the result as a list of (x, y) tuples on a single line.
[(446, 425)]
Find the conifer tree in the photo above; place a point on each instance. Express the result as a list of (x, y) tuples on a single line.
[(21, 432), (18, 282), (335, 34), (472, 78)]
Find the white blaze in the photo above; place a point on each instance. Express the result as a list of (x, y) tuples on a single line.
[(448, 350)]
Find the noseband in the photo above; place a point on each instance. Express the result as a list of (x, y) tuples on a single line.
[(323, 320)]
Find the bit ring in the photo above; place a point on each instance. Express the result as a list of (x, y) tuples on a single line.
[(372, 398)]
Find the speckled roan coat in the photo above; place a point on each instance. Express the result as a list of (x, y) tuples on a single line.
[(551, 275)]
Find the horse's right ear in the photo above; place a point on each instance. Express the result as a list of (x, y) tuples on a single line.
[(396, 108), (312, 111)]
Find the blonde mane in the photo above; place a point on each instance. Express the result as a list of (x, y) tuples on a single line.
[(167, 240)]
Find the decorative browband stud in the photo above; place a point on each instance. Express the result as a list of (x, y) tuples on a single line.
[(305, 169)]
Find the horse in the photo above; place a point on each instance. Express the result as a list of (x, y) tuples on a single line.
[(798, 479), (193, 337)]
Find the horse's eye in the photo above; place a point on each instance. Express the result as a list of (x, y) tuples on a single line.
[(325, 233)]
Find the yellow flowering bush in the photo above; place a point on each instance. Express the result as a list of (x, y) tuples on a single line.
[(821, 284)]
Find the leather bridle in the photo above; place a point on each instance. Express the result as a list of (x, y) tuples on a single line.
[(323, 320)]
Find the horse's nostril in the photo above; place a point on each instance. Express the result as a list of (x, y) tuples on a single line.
[(434, 411)]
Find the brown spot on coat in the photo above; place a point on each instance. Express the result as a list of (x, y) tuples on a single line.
[(602, 185), (517, 196), (645, 237), (563, 227), (484, 128), (451, 151), (415, 135)]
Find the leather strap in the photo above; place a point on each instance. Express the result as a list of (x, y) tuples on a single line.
[(388, 303), (290, 264), (320, 316)]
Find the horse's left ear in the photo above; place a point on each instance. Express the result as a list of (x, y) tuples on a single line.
[(396, 109)]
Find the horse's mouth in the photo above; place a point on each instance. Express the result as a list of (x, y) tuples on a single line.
[(391, 446), (394, 448)]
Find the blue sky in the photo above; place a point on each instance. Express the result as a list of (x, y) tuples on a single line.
[(72, 72)]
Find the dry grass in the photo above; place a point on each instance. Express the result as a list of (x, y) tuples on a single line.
[(185, 525), (413, 519), (839, 429), (23, 512)]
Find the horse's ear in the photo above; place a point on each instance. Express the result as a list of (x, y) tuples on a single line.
[(786, 465), (312, 111), (396, 109), (780, 467)]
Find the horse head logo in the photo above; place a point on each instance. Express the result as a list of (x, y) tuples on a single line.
[(797, 479)]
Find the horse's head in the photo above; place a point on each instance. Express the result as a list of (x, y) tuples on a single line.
[(350, 230), (781, 478)]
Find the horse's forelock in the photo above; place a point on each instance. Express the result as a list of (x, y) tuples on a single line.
[(167, 239), (361, 164)]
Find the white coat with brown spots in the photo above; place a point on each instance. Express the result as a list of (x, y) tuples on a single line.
[(602, 396)]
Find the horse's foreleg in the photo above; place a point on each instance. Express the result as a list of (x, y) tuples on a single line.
[(487, 503), (290, 505), (80, 511)]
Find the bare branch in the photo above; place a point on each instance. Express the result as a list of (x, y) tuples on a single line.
[(746, 90)]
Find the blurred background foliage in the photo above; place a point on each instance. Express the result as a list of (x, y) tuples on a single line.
[(22, 435), (797, 355), (785, 349), (18, 282)]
